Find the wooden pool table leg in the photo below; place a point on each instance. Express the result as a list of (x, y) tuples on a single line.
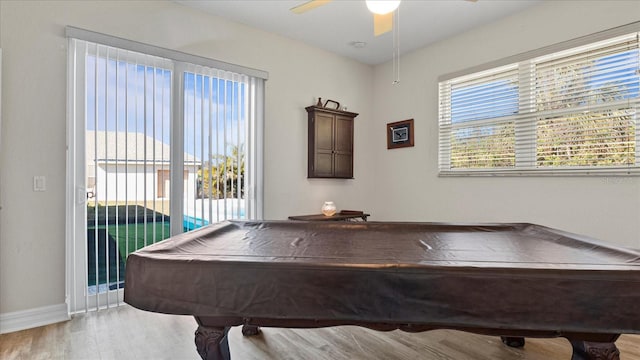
[(513, 341), (250, 330), (212, 343), (586, 350)]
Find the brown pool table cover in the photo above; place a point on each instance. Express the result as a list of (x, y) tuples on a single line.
[(500, 276)]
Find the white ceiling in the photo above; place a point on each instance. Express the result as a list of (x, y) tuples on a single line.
[(337, 24)]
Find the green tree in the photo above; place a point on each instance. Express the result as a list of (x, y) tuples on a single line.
[(604, 137), (483, 147), (223, 176)]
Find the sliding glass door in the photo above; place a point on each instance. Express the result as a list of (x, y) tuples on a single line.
[(157, 147)]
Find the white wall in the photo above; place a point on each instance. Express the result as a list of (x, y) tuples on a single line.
[(406, 180), (126, 182), (137, 182), (32, 224)]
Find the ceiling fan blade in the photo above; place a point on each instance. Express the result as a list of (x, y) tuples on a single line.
[(309, 5), (382, 23)]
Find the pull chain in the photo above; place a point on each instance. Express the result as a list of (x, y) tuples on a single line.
[(396, 48)]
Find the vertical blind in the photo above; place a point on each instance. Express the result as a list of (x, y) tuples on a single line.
[(569, 111), (125, 191), (122, 106), (215, 116)]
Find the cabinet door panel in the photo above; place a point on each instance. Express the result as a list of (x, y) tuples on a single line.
[(343, 165), (324, 132), (344, 134), (323, 164)]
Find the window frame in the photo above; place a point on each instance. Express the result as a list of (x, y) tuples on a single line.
[(526, 119)]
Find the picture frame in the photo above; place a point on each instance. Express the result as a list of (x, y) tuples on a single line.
[(400, 134)]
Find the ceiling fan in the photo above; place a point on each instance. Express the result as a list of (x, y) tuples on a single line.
[(382, 12)]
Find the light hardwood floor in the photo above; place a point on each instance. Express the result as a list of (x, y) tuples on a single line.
[(126, 333)]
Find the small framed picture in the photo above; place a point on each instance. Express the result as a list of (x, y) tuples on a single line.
[(400, 134)]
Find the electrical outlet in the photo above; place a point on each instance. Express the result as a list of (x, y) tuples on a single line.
[(39, 183)]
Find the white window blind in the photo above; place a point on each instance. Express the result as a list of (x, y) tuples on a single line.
[(477, 128), (573, 111), (121, 103), (215, 131), (586, 104)]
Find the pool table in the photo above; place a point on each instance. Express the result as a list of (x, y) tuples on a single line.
[(509, 280)]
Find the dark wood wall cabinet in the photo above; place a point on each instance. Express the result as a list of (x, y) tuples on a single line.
[(330, 143)]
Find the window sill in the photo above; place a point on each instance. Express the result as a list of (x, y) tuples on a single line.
[(608, 172)]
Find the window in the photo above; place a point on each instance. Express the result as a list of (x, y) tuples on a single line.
[(146, 128), (569, 111), (481, 126)]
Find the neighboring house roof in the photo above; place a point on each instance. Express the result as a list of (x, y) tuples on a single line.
[(126, 147)]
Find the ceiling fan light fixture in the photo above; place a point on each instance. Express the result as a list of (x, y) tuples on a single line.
[(382, 7)]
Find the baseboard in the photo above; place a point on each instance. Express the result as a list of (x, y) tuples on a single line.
[(27, 319)]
